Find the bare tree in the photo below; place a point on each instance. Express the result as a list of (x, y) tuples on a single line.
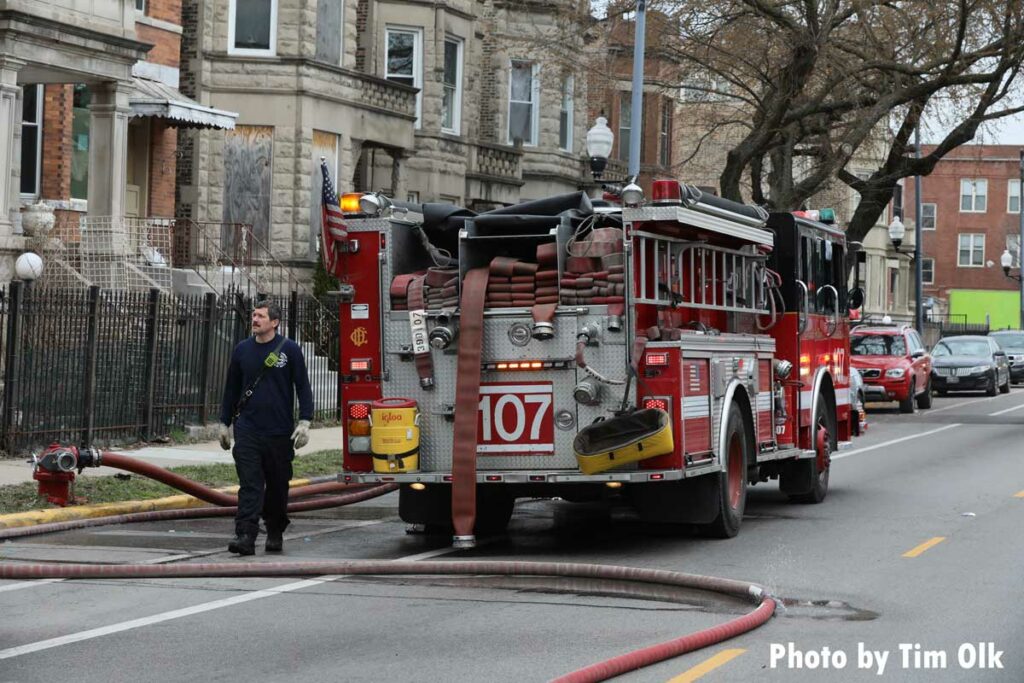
[(814, 83)]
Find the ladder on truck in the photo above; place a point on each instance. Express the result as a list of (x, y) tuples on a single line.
[(695, 274)]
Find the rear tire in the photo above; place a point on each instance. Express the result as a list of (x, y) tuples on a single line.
[(732, 481), (907, 406), (924, 400), (801, 480)]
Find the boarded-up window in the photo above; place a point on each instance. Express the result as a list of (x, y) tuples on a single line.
[(329, 27), (324, 145), (248, 151)]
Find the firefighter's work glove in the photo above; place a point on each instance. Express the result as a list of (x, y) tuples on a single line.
[(300, 437), (225, 437)]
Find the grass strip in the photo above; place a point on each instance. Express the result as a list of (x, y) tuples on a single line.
[(126, 486)]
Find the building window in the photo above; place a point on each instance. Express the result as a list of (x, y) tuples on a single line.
[(330, 29), (625, 125), (973, 195), (665, 134), (565, 114), (523, 101), (412, 197), (972, 250), (80, 142), (451, 101), (928, 212), (897, 201), (928, 271), (252, 27), (1013, 196), (448, 199), (31, 138), (404, 61), (140, 5)]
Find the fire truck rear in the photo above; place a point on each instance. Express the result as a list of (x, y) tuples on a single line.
[(667, 353)]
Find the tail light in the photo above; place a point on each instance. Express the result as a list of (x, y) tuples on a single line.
[(657, 403)]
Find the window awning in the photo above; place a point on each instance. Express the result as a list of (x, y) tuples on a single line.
[(153, 98)]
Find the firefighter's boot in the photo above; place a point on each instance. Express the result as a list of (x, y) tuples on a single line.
[(243, 544), (275, 541)]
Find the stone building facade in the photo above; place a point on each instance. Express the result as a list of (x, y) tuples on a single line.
[(96, 136), (407, 97)]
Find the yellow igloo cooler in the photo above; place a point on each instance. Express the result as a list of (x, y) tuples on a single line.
[(395, 435), (623, 439)]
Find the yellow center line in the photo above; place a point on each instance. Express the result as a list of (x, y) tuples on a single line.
[(1019, 495), (708, 665), (931, 542)]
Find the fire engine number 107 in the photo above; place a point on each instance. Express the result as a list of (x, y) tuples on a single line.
[(516, 419)]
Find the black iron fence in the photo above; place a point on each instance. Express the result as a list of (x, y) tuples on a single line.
[(98, 367)]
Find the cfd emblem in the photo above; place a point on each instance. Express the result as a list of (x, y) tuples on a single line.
[(358, 336)]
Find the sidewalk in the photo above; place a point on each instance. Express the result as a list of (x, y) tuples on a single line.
[(19, 471)]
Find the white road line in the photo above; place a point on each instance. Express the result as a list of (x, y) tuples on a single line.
[(891, 442), (189, 611), (1007, 410), (857, 451)]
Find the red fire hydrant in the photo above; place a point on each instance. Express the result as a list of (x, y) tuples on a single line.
[(54, 469)]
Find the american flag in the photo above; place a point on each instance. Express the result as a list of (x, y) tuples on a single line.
[(332, 229)]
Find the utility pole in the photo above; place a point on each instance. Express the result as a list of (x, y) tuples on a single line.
[(636, 105)]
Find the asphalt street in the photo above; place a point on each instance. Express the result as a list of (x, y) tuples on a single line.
[(916, 554)]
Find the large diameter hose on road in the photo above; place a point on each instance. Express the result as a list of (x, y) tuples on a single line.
[(192, 513), (205, 493), (598, 672)]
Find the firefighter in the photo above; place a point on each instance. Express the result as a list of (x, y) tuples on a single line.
[(266, 372)]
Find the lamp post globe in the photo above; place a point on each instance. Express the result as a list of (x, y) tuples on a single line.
[(599, 145), (896, 232), (1006, 261)]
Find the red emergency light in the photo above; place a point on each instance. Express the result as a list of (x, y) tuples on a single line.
[(359, 411), (360, 365), (666, 192), (656, 402), (656, 358)]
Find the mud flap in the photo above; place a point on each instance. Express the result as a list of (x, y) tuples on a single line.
[(691, 501)]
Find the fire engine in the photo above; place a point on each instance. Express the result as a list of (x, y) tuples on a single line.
[(667, 352)]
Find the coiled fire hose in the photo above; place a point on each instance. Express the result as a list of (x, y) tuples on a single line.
[(595, 672)]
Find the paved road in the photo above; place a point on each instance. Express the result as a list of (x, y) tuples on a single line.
[(918, 545)]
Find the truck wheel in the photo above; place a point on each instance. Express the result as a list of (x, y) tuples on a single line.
[(924, 399), (907, 406), (732, 481), (802, 480)]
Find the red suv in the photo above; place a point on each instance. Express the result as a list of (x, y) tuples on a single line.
[(894, 364)]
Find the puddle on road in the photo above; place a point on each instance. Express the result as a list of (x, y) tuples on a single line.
[(827, 610)]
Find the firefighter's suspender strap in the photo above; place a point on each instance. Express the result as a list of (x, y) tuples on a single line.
[(467, 397), (418, 327), (269, 362)]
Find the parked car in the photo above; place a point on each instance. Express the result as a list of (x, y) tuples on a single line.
[(894, 364), (970, 362), (1012, 342)]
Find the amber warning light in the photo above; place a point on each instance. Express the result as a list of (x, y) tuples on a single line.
[(350, 202)]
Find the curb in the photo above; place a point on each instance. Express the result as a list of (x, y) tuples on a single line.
[(68, 514)]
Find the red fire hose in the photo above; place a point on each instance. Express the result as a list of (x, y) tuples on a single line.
[(205, 493), (641, 579)]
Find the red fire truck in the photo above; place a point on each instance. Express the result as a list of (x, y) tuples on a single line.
[(479, 351)]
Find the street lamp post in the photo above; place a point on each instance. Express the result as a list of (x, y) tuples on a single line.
[(918, 270), (1020, 238), (636, 105)]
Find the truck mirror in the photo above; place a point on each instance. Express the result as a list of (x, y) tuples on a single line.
[(856, 297)]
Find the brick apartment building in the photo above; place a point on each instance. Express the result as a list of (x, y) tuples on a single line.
[(970, 216)]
